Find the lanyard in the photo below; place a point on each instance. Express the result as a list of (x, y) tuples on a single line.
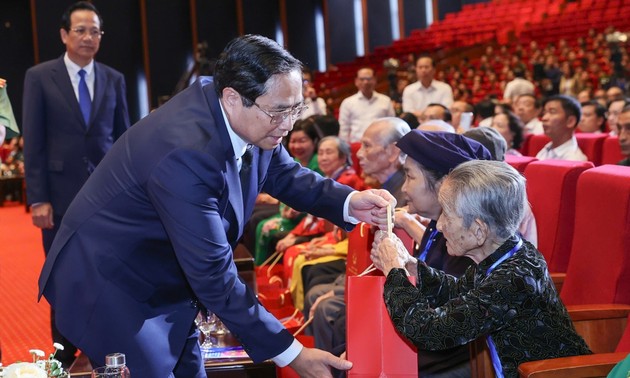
[(423, 255), (496, 363)]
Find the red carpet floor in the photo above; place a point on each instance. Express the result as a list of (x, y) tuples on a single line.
[(24, 323)]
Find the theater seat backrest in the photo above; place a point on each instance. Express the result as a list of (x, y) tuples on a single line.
[(591, 145), (519, 162), (611, 153), (551, 192), (536, 143), (599, 267)]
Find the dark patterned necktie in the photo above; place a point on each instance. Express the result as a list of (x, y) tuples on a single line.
[(246, 165), (85, 102)]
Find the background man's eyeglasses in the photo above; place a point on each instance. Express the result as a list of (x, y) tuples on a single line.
[(94, 33)]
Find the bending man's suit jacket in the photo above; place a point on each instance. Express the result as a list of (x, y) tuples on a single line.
[(152, 231), (60, 149)]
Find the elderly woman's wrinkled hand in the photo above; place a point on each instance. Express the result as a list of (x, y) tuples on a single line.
[(388, 252)]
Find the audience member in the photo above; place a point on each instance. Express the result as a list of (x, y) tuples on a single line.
[(316, 105), (359, 110), (614, 93), (166, 226), (436, 112), (507, 294), (561, 115), (511, 129), (623, 125), (528, 108), (593, 118), (484, 110), (417, 96), (517, 87), (457, 108), (74, 109), (614, 109)]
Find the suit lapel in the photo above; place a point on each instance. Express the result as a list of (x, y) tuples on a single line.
[(62, 80), (235, 196)]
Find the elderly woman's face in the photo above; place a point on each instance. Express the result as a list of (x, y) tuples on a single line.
[(460, 240), (420, 199), (328, 157)]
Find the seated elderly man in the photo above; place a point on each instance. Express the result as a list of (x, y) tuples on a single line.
[(506, 296)]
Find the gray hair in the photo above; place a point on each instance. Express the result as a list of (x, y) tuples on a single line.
[(342, 147), (491, 191), (397, 128)]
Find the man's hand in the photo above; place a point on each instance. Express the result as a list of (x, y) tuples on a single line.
[(42, 215), (316, 363), (370, 206)]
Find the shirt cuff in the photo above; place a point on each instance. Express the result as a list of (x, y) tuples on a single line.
[(346, 210), (286, 357)]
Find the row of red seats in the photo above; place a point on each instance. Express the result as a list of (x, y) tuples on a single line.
[(598, 148)]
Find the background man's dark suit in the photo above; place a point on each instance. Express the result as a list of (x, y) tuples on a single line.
[(151, 233), (60, 149)]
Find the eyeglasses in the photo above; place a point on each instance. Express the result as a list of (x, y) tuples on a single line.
[(278, 117), (93, 33)]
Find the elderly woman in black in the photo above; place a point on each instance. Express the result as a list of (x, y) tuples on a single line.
[(507, 296)]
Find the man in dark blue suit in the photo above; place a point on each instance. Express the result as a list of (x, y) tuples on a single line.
[(148, 240), (74, 110)]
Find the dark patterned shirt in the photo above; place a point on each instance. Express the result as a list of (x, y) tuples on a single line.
[(517, 304)]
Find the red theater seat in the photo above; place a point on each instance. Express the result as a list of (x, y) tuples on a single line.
[(536, 143), (591, 145), (551, 190), (599, 268), (519, 162), (611, 153)]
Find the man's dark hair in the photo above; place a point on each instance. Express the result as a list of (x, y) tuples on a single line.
[(80, 5), (448, 117), (248, 62), (570, 106), (485, 108), (410, 118), (424, 55), (518, 72)]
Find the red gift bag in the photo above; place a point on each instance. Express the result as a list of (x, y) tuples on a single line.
[(359, 246), (373, 345)]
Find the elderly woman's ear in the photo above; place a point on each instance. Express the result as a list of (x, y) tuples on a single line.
[(480, 231)]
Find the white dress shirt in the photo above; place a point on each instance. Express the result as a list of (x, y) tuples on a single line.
[(534, 127), (417, 97), (315, 107), (518, 87), (569, 150), (357, 112), (73, 72)]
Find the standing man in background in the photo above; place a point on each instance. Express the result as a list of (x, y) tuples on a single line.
[(358, 111), (417, 96), (74, 109)]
